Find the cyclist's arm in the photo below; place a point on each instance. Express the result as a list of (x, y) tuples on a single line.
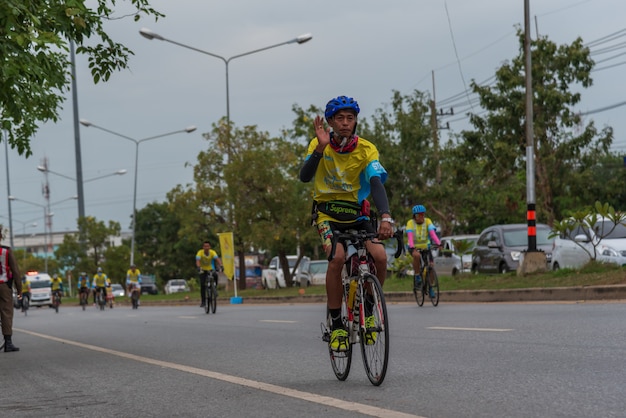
[(379, 195), (433, 235), (307, 172)]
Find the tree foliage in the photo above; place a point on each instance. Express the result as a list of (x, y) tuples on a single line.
[(35, 71)]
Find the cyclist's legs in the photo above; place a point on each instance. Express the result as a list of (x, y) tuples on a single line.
[(334, 290), (428, 258), (378, 253), (203, 280), (417, 262)]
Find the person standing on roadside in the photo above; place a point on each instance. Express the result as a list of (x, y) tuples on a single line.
[(207, 262), (9, 277)]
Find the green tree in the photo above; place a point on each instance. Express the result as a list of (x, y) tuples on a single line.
[(96, 235), (564, 147), (35, 69)]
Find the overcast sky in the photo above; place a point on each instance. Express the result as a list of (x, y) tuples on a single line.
[(361, 48)]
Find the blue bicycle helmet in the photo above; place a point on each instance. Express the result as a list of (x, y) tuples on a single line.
[(418, 209), (340, 103)]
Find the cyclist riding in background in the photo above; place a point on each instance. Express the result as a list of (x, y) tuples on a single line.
[(99, 281), (345, 169), (207, 261), (421, 234), (83, 285), (133, 279), (25, 289), (56, 286)]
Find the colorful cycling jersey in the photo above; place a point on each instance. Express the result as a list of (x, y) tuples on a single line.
[(133, 276), (207, 261), (25, 286), (100, 280), (83, 281), (345, 176), (421, 233), (56, 283)]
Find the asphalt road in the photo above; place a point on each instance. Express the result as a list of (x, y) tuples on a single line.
[(456, 360)]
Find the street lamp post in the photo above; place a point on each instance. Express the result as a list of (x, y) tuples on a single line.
[(188, 129), (147, 33), (46, 215)]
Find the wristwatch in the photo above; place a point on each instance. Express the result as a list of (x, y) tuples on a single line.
[(388, 219)]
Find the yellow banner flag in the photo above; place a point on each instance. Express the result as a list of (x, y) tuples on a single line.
[(228, 254)]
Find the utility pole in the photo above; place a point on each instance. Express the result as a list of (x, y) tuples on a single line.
[(434, 123)]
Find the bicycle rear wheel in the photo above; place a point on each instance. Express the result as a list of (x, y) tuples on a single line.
[(207, 303), (25, 304), (418, 291), (435, 285), (213, 299), (375, 338), (341, 360)]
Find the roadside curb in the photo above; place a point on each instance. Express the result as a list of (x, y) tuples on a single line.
[(552, 294)]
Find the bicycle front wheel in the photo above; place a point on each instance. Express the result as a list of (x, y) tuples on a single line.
[(207, 303), (212, 300), (435, 285), (418, 291), (374, 337), (341, 360)]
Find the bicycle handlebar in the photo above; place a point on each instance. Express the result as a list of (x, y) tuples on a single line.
[(355, 237)]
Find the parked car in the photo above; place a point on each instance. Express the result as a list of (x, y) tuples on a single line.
[(499, 247), (576, 248), (175, 286), (313, 272), (448, 261), (148, 286), (117, 290), (273, 275), (254, 273)]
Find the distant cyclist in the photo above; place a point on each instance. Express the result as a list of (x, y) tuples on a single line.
[(207, 262), (83, 285), (25, 290), (133, 280), (99, 281), (56, 286), (421, 234)]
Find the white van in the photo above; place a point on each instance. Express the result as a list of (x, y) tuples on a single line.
[(40, 293)]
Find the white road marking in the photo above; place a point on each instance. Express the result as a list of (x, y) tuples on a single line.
[(473, 329), (278, 321), (326, 401)]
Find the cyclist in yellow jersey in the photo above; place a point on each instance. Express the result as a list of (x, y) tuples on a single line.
[(207, 262), (56, 286), (133, 280), (83, 285), (345, 170), (25, 289), (421, 234), (99, 281)]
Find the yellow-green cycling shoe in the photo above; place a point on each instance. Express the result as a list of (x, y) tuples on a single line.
[(339, 340), (370, 336)]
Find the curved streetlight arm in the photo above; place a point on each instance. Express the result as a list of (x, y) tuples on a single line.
[(188, 129), (44, 170), (116, 173)]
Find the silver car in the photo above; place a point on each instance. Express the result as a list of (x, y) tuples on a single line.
[(449, 261)]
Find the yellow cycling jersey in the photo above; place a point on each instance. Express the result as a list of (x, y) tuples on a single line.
[(100, 280), (56, 283), (207, 261), (345, 176), (420, 232), (132, 276)]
